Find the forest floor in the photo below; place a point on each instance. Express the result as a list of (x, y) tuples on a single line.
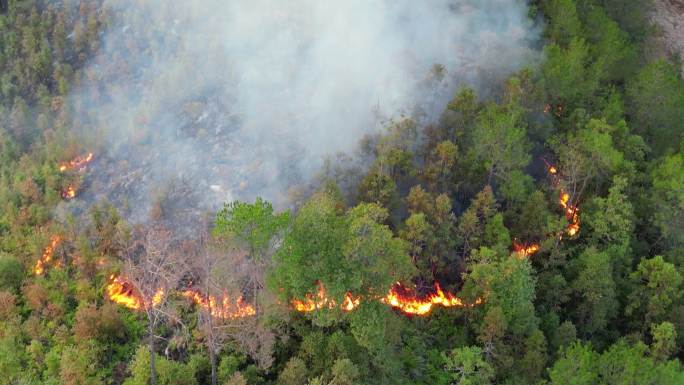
[(669, 15)]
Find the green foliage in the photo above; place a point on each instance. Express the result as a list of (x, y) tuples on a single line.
[(656, 288), (168, 372), (668, 198), (440, 203), (11, 273), (253, 224), (621, 364), (349, 251), (466, 366), (655, 98)]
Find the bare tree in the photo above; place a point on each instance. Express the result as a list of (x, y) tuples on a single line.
[(224, 315), (153, 270)]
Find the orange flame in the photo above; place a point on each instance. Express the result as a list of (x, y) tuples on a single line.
[(571, 211), (398, 297), (524, 250), (69, 193), (47, 255), (407, 302), (321, 301), (222, 307), (123, 293), (78, 163)]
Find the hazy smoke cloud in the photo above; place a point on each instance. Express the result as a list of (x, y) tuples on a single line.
[(228, 99)]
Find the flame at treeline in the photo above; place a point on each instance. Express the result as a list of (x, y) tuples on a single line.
[(124, 293), (399, 297), (46, 257), (77, 164), (571, 211)]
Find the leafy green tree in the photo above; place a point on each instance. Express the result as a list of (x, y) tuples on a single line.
[(655, 98), (614, 54), (344, 372), (500, 142), (11, 273), (577, 366), (254, 228), (596, 291), (345, 252), (667, 197), (568, 76), (656, 289), (294, 372), (79, 365), (587, 157), (508, 284), (466, 366), (168, 372), (664, 341), (564, 23), (439, 170), (534, 359)]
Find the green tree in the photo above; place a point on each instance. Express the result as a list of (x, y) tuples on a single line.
[(254, 228), (564, 23), (345, 252), (467, 367), (11, 272), (667, 197), (500, 143), (656, 289), (168, 372), (664, 341), (655, 98), (596, 291)]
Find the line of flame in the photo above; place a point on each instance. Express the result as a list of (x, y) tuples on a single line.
[(46, 257), (223, 307), (77, 163), (123, 293)]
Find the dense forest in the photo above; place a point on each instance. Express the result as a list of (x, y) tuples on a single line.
[(532, 235)]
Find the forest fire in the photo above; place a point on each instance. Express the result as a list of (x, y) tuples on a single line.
[(77, 163), (524, 250), (123, 293), (321, 301), (69, 193), (571, 211), (47, 255), (399, 297), (223, 307), (407, 302)]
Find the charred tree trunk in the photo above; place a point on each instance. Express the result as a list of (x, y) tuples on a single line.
[(212, 358), (153, 369)]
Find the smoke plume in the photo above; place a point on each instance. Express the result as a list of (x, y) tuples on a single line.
[(199, 102)]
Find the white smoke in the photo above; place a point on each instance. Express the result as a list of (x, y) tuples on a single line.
[(241, 98)]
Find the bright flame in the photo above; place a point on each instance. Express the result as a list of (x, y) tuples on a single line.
[(524, 250), (122, 293), (47, 255), (407, 302), (321, 301), (78, 163), (222, 307), (398, 297), (69, 193), (571, 212)]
